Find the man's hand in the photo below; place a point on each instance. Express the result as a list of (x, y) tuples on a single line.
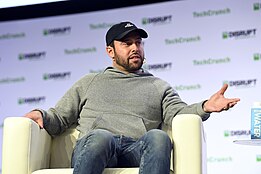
[(218, 102), (36, 116)]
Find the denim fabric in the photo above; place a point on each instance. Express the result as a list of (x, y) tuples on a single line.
[(100, 149)]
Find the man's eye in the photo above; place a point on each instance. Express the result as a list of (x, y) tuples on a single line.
[(139, 42), (128, 43), (125, 43)]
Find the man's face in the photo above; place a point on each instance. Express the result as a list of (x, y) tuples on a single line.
[(128, 53)]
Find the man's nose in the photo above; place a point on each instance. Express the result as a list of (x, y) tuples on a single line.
[(135, 46)]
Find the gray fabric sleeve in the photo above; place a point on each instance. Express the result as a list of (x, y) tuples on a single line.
[(66, 112), (173, 105)]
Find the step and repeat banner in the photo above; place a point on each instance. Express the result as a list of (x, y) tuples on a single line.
[(196, 46)]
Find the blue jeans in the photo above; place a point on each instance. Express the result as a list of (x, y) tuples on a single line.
[(100, 149)]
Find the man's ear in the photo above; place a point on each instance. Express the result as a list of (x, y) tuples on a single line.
[(110, 51)]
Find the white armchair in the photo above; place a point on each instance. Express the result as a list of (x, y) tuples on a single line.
[(27, 149)]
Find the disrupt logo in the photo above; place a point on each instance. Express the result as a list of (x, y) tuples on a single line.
[(12, 80), (101, 25), (258, 158), (241, 34), (56, 76), (241, 83), (12, 35), (157, 20), (57, 31), (158, 67), (213, 159), (238, 133), (211, 61), (257, 56), (211, 13), (181, 40), (80, 50), (31, 56), (187, 87), (256, 6), (32, 100)]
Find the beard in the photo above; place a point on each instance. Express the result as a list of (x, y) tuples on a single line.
[(127, 64)]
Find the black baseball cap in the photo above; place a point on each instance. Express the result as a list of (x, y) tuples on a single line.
[(120, 30)]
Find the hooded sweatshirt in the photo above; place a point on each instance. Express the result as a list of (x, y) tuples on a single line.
[(124, 104)]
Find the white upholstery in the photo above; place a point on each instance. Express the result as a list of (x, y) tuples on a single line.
[(27, 149), (107, 171)]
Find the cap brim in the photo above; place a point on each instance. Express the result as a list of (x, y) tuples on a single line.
[(142, 33)]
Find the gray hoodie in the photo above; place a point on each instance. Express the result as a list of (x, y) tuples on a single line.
[(124, 104)]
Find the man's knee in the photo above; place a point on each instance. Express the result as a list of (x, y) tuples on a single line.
[(158, 138), (98, 137)]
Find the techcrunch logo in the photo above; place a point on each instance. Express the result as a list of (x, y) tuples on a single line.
[(32, 100), (12, 36), (80, 50), (257, 56), (57, 31), (157, 20), (241, 34), (258, 158), (158, 67), (57, 76), (187, 87), (181, 40), (100, 26), (231, 133), (32, 56), (241, 83), (257, 6), (223, 159), (211, 61), (211, 13), (12, 80)]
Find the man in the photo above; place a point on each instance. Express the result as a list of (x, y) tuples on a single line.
[(119, 111)]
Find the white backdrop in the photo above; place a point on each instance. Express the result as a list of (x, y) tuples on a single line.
[(196, 46)]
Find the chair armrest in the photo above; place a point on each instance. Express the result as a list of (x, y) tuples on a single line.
[(26, 147), (189, 145)]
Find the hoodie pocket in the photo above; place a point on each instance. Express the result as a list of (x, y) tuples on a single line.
[(120, 124)]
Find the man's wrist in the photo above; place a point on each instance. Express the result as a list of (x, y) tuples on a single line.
[(204, 106)]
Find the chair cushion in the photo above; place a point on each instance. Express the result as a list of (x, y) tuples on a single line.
[(106, 171)]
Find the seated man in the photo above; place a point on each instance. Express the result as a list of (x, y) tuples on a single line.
[(120, 111)]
